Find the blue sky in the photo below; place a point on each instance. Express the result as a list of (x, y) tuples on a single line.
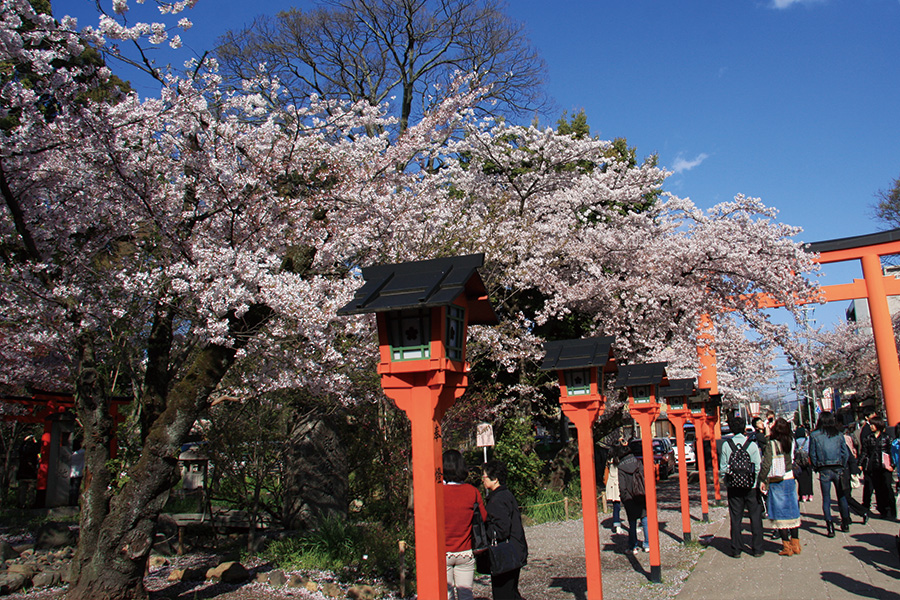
[(792, 101)]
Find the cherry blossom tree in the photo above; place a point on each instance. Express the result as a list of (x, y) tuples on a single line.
[(196, 246), (159, 242)]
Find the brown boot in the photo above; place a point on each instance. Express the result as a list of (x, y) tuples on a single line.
[(795, 545), (787, 549)]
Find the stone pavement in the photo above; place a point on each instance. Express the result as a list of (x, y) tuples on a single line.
[(862, 563)]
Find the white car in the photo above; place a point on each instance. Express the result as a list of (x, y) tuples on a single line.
[(689, 456)]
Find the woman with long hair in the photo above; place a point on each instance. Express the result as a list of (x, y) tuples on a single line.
[(804, 472), (830, 458), (461, 500), (612, 486), (776, 479)]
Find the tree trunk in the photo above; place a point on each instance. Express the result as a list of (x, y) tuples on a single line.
[(117, 527)]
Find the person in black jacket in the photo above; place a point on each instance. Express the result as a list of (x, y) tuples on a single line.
[(504, 523), (634, 498), (880, 475)]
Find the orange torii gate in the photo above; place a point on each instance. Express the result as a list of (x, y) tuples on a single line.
[(875, 287)]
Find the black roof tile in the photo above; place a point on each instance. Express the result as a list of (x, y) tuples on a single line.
[(423, 284), (577, 354)]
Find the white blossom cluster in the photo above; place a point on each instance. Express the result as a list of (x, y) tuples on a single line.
[(191, 202)]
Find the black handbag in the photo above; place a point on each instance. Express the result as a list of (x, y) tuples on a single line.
[(504, 558), (480, 541)]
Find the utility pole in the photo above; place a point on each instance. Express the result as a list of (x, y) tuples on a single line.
[(807, 369)]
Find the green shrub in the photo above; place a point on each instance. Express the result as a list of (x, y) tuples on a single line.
[(548, 505), (515, 448), (348, 549)]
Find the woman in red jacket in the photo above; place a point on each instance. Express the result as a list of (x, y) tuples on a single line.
[(460, 499)]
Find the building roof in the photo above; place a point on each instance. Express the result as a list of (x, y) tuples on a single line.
[(643, 374), (578, 354), (424, 284), (678, 387)]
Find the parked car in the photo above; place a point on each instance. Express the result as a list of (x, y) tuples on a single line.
[(663, 456), (690, 457)]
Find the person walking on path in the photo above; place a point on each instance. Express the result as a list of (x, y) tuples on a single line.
[(878, 471), (804, 472), (461, 500), (612, 486), (776, 480), (759, 433), (863, 433), (738, 465), (830, 458), (634, 498), (852, 476), (504, 524)]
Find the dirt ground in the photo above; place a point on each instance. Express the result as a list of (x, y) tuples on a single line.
[(556, 568)]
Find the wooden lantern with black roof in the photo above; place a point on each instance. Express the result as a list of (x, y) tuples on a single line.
[(423, 310), (642, 383), (581, 365), (676, 395)]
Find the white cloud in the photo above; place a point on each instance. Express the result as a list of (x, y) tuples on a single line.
[(782, 4), (681, 165)]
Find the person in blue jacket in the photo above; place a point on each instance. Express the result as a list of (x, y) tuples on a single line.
[(830, 457)]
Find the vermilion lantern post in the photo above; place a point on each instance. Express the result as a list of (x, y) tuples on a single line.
[(714, 434), (678, 413), (423, 310), (697, 408), (580, 365), (642, 383)]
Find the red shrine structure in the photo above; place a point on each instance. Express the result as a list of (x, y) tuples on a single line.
[(55, 411)]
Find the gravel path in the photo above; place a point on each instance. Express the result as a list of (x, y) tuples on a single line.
[(556, 568)]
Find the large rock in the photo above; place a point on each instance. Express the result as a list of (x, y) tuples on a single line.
[(7, 551), (28, 570), (316, 480), (229, 572), (187, 574), (277, 579), (361, 592), (54, 535), (46, 579), (11, 583), (332, 590)]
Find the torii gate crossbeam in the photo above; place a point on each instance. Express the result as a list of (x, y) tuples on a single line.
[(875, 287)]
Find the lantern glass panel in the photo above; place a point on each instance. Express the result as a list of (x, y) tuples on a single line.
[(641, 394), (578, 382), (410, 334), (456, 323)]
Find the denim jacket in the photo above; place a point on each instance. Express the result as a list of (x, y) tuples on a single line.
[(825, 451)]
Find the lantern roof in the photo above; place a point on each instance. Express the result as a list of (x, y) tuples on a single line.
[(642, 374), (424, 284), (578, 354), (677, 387)]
